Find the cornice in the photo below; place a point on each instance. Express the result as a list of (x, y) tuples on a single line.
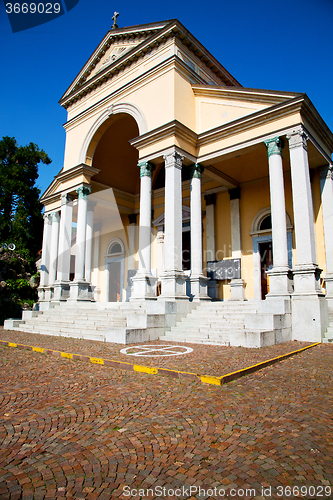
[(173, 128), (253, 120), (243, 94), (174, 29), (65, 175)]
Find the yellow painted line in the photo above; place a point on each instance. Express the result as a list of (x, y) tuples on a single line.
[(145, 369), (266, 362), (206, 379), (38, 349), (66, 355), (97, 361)]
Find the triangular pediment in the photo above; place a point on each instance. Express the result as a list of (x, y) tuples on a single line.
[(114, 46)]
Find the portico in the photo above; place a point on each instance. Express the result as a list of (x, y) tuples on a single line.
[(251, 169)]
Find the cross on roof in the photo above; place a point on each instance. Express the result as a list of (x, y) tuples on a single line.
[(114, 19)]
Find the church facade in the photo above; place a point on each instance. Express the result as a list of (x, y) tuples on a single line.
[(180, 186)]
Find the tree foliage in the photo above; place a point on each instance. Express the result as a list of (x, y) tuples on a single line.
[(21, 220)]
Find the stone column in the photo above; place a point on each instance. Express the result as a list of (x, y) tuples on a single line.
[(89, 240), (96, 289), (213, 285), (326, 184), (79, 288), (45, 264), (309, 313), (144, 284), (132, 219), (55, 218), (173, 277), (197, 279), (61, 286), (280, 276), (237, 283)]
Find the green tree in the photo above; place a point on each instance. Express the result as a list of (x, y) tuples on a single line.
[(21, 220)]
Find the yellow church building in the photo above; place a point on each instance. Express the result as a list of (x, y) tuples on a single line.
[(188, 208)]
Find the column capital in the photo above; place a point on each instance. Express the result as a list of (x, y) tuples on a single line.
[(210, 199), (326, 172), (173, 160), (55, 216), (146, 168), (234, 193), (47, 218), (132, 218), (83, 192), (91, 206), (66, 198), (196, 171), (297, 138), (274, 146)]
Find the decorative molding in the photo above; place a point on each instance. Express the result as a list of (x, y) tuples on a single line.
[(47, 219), (260, 216), (55, 217), (83, 192), (173, 128), (66, 199), (146, 169), (152, 36), (173, 159), (196, 171), (298, 138), (274, 146)]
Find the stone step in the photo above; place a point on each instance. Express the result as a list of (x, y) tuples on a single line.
[(64, 332)]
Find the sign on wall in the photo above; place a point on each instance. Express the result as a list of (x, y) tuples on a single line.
[(224, 269)]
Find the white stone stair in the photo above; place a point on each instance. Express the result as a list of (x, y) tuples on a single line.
[(328, 336), (107, 322), (230, 323)]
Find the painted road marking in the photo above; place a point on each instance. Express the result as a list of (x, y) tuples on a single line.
[(156, 350)]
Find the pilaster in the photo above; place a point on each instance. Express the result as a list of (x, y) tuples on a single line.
[(237, 286), (326, 184)]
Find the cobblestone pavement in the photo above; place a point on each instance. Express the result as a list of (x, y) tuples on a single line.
[(204, 360), (70, 429)]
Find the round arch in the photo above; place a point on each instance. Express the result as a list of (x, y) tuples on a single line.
[(103, 122), (260, 216)]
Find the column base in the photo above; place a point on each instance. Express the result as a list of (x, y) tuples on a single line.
[(280, 282), (144, 287), (199, 287), (173, 285), (237, 289), (61, 290), (48, 295), (307, 280), (309, 317), (80, 290), (41, 294)]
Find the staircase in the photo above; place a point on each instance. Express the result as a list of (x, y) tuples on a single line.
[(231, 324), (328, 336), (109, 322)]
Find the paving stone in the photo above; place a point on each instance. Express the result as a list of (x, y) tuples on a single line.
[(70, 429)]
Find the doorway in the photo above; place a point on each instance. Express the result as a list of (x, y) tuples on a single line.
[(114, 281), (266, 263)]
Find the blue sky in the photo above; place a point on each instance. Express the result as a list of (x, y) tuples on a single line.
[(284, 45)]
